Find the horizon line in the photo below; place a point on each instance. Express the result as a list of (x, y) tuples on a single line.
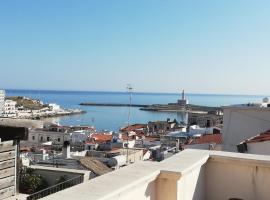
[(137, 92)]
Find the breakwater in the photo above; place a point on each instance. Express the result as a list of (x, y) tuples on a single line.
[(114, 105), (160, 107)]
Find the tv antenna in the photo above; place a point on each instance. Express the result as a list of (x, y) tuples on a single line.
[(129, 90)]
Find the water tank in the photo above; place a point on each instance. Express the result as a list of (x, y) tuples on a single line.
[(266, 100), (117, 161)]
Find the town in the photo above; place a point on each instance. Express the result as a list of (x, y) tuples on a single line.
[(27, 108), (134, 100), (62, 155)]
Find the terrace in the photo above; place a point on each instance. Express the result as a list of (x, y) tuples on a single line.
[(191, 174)]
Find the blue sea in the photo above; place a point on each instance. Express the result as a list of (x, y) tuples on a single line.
[(113, 118)]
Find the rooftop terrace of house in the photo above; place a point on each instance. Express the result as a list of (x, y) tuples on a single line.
[(191, 174)]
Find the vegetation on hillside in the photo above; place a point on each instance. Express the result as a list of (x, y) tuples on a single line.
[(27, 103)]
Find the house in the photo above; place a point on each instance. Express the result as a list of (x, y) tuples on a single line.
[(54, 107), (39, 136), (79, 136), (163, 127), (10, 109), (259, 144), (242, 121), (206, 142), (2, 101)]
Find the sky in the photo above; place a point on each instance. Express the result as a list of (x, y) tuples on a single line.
[(205, 46)]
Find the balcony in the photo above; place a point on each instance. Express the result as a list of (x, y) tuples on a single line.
[(191, 174)]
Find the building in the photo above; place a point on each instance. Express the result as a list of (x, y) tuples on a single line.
[(10, 109), (242, 122), (259, 144), (2, 101), (80, 136), (206, 120), (164, 127), (206, 142), (54, 107), (190, 174), (183, 102), (39, 136)]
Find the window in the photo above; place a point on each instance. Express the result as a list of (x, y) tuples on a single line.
[(33, 137), (58, 139), (41, 138), (48, 139)]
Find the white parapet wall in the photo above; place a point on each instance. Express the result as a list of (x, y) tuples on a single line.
[(52, 174), (241, 123), (191, 174)]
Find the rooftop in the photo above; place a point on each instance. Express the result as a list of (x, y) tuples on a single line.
[(265, 136), (191, 174), (208, 138)]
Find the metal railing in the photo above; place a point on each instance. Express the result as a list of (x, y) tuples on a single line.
[(56, 188)]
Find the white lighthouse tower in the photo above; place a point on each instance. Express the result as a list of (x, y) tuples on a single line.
[(183, 102)]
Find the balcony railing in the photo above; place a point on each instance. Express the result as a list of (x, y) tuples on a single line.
[(56, 188)]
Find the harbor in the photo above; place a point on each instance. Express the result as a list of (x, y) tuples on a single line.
[(182, 105)]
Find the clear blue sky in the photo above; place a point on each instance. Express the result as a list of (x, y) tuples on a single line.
[(210, 46)]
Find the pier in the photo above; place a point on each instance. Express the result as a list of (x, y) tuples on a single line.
[(114, 105)]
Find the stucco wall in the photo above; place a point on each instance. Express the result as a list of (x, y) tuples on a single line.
[(259, 148), (191, 186), (241, 124), (246, 181), (189, 175), (52, 175)]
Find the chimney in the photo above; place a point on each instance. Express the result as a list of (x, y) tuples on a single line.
[(66, 150)]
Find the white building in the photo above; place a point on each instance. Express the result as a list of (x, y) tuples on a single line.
[(10, 108), (47, 137), (79, 136), (259, 144), (242, 122), (2, 101), (54, 107)]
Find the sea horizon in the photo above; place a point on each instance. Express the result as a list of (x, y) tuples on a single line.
[(112, 118), (134, 92)]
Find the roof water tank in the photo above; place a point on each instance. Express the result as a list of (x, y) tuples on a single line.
[(266, 100), (117, 161)]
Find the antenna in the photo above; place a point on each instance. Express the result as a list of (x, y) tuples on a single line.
[(129, 90)]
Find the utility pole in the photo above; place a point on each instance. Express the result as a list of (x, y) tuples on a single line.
[(129, 89)]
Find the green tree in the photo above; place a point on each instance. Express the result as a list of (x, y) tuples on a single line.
[(30, 182)]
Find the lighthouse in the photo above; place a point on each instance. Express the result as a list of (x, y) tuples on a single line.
[(183, 101), (183, 95)]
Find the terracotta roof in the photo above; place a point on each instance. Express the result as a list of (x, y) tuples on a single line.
[(134, 127), (94, 165), (209, 138), (101, 137), (152, 138), (265, 136)]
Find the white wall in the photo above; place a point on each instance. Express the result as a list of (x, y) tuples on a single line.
[(259, 148), (243, 123), (191, 186), (246, 181), (2, 101)]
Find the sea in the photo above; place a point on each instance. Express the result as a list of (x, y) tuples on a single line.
[(113, 118)]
